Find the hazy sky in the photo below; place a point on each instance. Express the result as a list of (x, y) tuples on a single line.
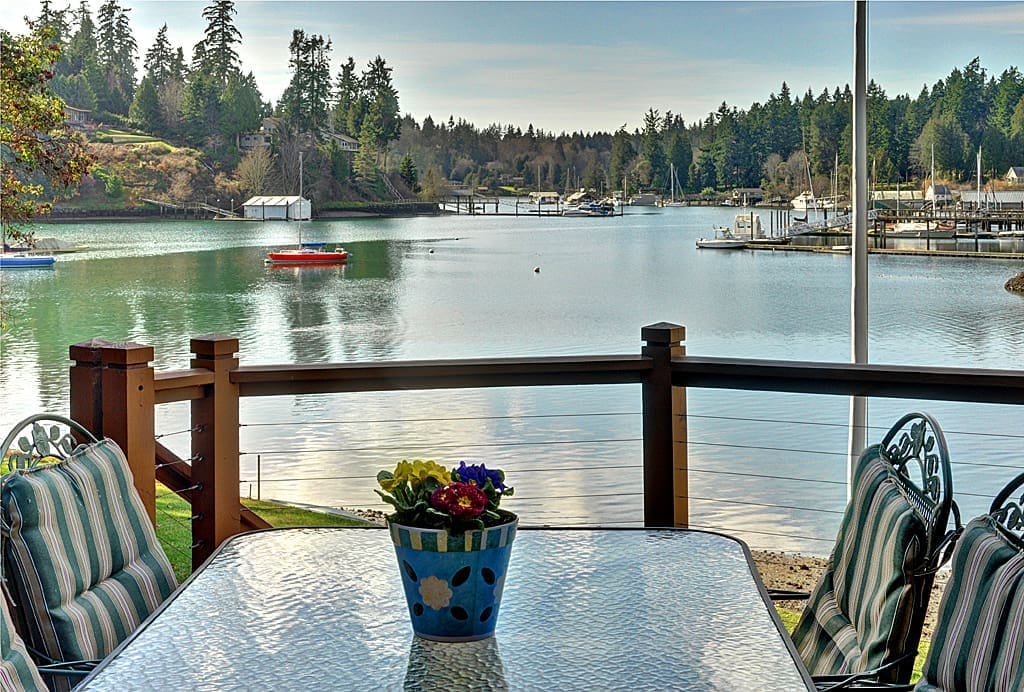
[(589, 66)]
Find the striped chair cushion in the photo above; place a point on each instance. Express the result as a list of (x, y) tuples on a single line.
[(859, 615), (80, 553), (979, 639), (17, 671)]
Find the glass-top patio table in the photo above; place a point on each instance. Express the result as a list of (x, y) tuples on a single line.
[(583, 609)]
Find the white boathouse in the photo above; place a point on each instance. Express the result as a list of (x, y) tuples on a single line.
[(277, 208)]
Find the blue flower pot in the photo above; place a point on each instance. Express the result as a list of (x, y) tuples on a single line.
[(453, 583)]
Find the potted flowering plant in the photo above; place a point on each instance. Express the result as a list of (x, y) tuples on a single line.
[(430, 496), (453, 543)]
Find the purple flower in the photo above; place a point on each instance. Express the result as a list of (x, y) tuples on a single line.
[(479, 474)]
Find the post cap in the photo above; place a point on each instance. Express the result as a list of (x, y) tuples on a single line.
[(214, 345), (663, 333), (127, 353), (88, 352)]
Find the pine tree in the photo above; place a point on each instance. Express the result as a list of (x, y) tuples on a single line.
[(159, 59), (145, 108), (407, 171), (365, 163), (116, 50), (345, 94), (218, 56), (304, 103)]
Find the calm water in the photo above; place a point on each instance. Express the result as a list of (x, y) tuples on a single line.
[(466, 287)]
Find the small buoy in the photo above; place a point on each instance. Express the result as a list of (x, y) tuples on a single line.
[(431, 251), (536, 270)]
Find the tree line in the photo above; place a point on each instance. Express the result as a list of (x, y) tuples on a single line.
[(782, 145)]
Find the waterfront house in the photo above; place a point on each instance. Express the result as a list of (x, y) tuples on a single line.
[(277, 207), (939, 195), (77, 117), (1015, 174)]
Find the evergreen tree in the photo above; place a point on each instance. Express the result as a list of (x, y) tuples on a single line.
[(241, 107), (218, 56), (81, 49), (345, 93), (200, 108), (365, 163), (1006, 92), (145, 109), (407, 171), (622, 156), (376, 84), (116, 49), (304, 103), (159, 60), (653, 152)]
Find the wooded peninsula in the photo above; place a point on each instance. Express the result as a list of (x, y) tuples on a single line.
[(198, 128)]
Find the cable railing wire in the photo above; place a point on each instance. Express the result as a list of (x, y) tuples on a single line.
[(745, 419)]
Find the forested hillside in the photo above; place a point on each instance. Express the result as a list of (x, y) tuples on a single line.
[(202, 103)]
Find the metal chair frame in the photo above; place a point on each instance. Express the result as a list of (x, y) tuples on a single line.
[(913, 447)]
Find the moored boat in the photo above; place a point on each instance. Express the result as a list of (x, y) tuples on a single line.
[(724, 239), (12, 261), (311, 253), (922, 229)]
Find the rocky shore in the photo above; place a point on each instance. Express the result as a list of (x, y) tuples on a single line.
[(1015, 284)]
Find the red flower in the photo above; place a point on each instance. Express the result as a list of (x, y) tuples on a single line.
[(461, 500)]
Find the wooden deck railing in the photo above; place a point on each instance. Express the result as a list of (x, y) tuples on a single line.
[(114, 390)]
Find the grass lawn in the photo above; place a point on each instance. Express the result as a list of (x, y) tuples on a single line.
[(790, 617), (175, 534)]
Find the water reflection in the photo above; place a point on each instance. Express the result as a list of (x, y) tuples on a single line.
[(477, 295)]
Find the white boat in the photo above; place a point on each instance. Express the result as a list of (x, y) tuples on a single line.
[(590, 209), (724, 239), (804, 201), (643, 199), (922, 229)]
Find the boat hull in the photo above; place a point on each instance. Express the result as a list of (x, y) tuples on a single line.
[(306, 256), (21, 261), (721, 243)]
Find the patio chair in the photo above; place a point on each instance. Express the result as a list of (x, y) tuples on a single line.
[(978, 644), (81, 557), (17, 670), (867, 611)]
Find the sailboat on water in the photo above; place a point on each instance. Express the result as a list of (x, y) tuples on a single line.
[(306, 253), (673, 185)]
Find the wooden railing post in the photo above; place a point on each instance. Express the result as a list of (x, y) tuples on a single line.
[(215, 448), (86, 384), (127, 394), (666, 492)]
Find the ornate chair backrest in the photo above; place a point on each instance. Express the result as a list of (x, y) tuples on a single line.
[(915, 446), (41, 437), (1007, 510)]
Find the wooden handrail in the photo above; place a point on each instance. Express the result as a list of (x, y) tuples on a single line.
[(894, 381), (181, 385), (268, 380)]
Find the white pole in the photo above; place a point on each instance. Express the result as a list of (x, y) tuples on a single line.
[(859, 253)]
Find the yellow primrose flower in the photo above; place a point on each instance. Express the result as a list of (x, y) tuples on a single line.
[(417, 471)]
